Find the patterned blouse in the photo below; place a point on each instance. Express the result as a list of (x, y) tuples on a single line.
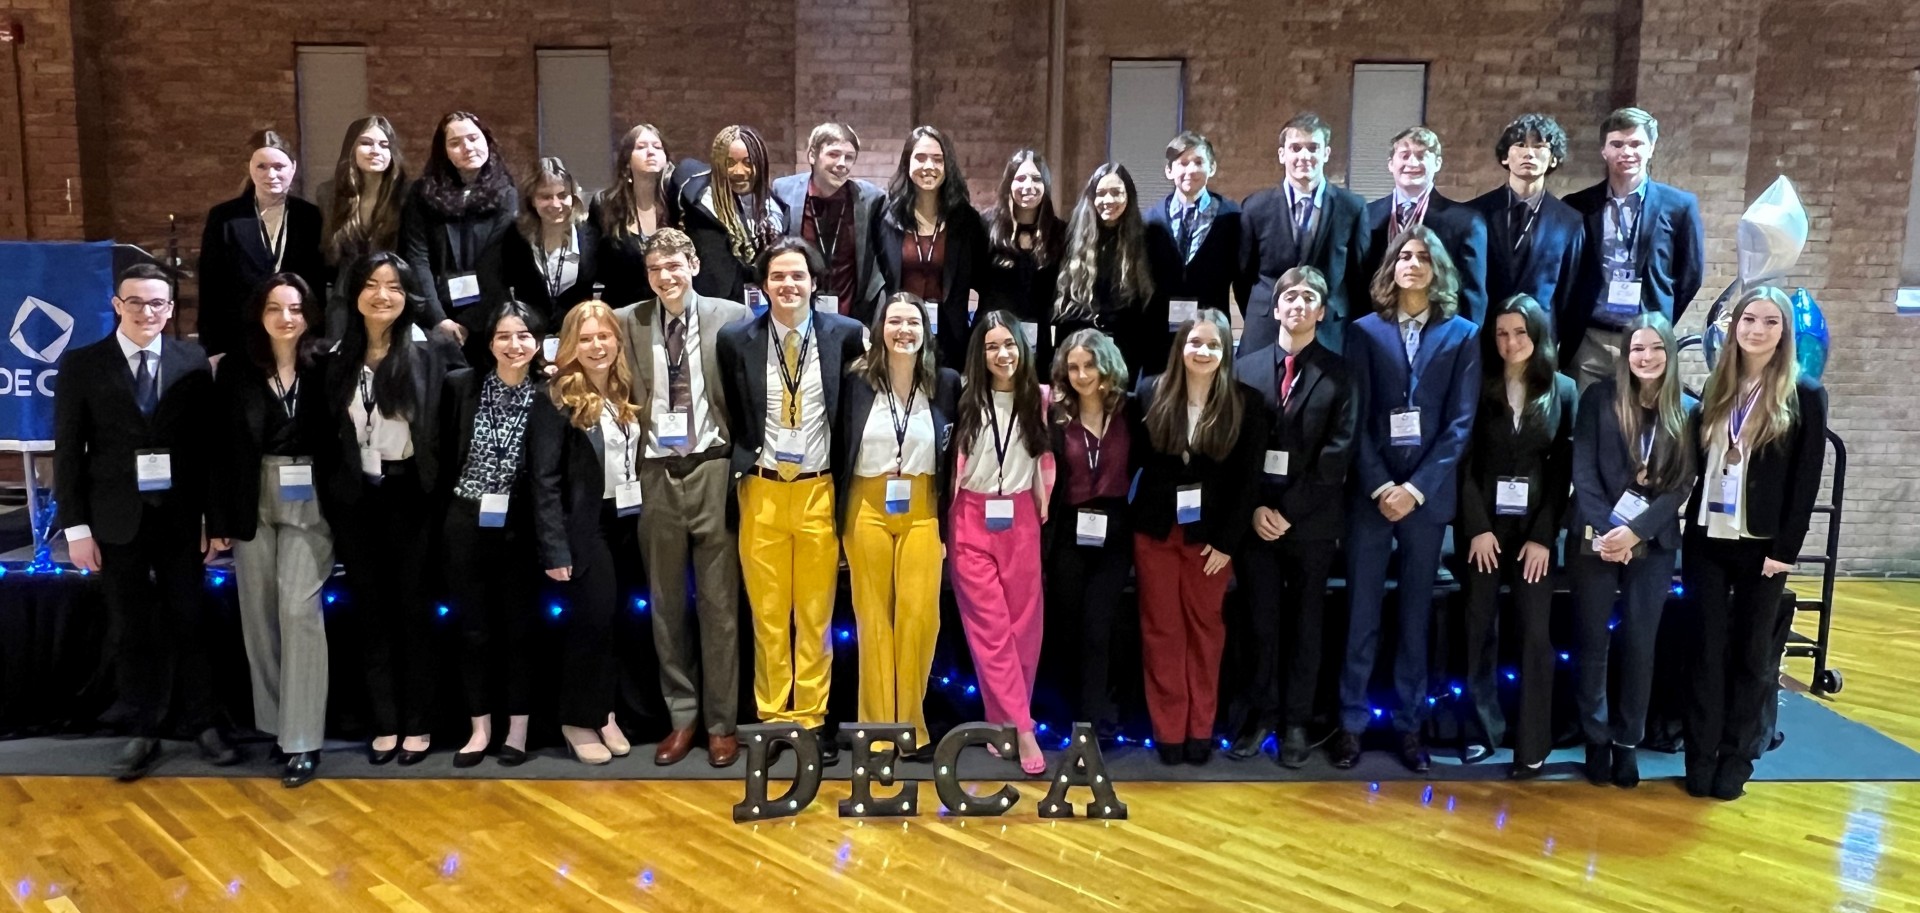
[(496, 452)]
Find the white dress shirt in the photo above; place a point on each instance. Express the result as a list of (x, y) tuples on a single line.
[(391, 437), (880, 448), (702, 431), (129, 350), (814, 427)]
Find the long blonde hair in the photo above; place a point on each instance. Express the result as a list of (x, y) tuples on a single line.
[(570, 388), (1774, 412), (1669, 464)]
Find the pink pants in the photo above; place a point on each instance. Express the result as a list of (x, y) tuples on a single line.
[(996, 581)]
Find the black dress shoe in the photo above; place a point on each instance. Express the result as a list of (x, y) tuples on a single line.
[(1626, 766), (1526, 771), (508, 756), (379, 756), (1730, 778), (1472, 753), (410, 758), (1294, 748), (1171, 755), (1414, 754), (1600, 763), (136, 759), (1700, 771), (215, 748), (1250, 743), (829, 746), (1198, 751), (1344, 750), (464, 759), (300, 769)]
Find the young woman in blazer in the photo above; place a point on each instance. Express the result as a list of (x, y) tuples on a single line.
[(1002, 484), (1025, 238), (552, 257), (1513, 499), (383, 395), (1106, 281), (639, 203), (486, 529), (1092, 425), (454, 220), (585, 449), (726, 205), (263, 231), (360, 208), (276, 433), (1763, 434), (929, 238), (1633, 461), (894, 429), (1199, 459)]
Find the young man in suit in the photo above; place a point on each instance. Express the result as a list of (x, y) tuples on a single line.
[(1306, 221), (1415, 163), (782, 373), (132, 416), (1193, 236), (1534, 241), (673, 359), (835, 213), (1310, 403), (1645, 250)]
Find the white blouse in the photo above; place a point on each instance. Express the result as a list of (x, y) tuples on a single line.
[(622, 446), (985, 474), (392, 437), (881, 451)]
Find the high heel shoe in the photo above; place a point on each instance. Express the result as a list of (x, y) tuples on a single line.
[(615, 739), (587, 747)]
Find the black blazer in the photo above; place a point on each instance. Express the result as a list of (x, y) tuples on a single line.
[(1462, 232), (1268, 248), (524, 281), (868, 200), (1546, 265), (1783, 478), (620, 264), (966, 258), (1603, 469), (722, 275), (97, 429), (1316, 429), (565, 468), (1672, 254), (1226, 513), (1541, 449), (1027, 289), (345, 485), (458, 406), (437, 248), (243, 396), (743, 364), (234, 261), (1211, 275), (849, 427)]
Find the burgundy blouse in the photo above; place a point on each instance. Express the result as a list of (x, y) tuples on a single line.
[(1097, 467)]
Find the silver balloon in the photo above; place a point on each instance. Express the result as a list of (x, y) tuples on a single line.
[(1768, 242)]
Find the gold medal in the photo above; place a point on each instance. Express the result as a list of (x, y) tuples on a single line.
[(1733, 456)]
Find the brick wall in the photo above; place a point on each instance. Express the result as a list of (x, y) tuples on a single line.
[(42, 154)]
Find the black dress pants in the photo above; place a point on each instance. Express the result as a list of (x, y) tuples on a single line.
[(156, 604), (589, 683), (1084, 587), (1627, 652), (383, 542), (1737, 665), (1532, 608), (1286, 582), (490, 594)]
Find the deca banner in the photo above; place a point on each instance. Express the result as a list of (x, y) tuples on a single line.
[(53, 297)]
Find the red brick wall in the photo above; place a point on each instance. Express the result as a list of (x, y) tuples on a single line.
[(42, 154)]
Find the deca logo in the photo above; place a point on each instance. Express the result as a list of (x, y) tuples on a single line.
[(61, 320)]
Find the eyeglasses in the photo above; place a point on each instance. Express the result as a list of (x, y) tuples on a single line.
[(147, 304)]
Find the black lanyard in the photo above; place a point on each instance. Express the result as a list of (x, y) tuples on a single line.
[(1624, 235), (900, 424), (686, 318), (288, 396), (825, 239), (999, 446), (367, 402), (556, 271), (792, 379), (924, 252), (626, 439), (1526, 228), (277, 245), (1095, 445)]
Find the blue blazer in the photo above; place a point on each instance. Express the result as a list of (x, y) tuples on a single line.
[(1546, 266), (1672, 252), (1462, 232), (1210, 276), (1447, 394), (1603, 469)]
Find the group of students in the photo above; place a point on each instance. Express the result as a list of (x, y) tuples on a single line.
[(776, 373)]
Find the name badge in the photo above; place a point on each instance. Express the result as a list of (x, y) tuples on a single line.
[(999, 514), (153, 469), (493, 511), (550, 348), (673, 429), (463, 289), (296, 482), (1033, 332), (899, 495), (1623, 297), (1629, 508), (626, 498), (1727, 493), (1090, 528), (1403, 428), (1186, 503), (789, 446), (826, 304), (1181, 310), (933, 321), (370, 463), (1276, 464), (1510, 496), (756, 300)]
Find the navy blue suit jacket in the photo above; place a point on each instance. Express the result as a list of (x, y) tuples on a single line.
[(1603, 469), (1210, 276), (1338, 249), (1462, 232), (1546, 266), (1447, 394), (1672, 254)]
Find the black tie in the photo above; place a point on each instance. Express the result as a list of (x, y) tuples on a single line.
[(145, 392), (1302, 217), (1517, 224), (1183, 232)]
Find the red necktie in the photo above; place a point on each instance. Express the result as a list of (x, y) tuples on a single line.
[(1286, 383)]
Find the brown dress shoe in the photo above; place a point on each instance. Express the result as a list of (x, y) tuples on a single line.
[(722, 750), (674, 747)]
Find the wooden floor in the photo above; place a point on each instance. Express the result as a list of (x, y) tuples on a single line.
[(89, 845)]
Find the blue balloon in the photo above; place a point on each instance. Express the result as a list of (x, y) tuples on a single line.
[(1811, 340)]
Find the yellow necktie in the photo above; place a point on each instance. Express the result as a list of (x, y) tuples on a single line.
[(790, 403)]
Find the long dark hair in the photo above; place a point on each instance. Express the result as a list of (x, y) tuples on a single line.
[(520, 311), (1537, 379), (1220, 420), (527, 220), (619, 203), (901, 190), (1049, 230), (1671, 464), (976, 395), (873, 365), (440, 184), (350, 233), (259, 344), (1106, 360), (393, 379), (1443, 291), (1081, 266)]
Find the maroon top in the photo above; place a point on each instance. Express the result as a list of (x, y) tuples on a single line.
[(835, 215), (923, 262), (1085, 482)]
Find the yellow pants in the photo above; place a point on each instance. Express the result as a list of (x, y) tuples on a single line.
[(894, 563), (790, 562)]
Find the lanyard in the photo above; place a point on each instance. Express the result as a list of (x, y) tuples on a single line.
[(900, 424), (686, 318), (367, 402), (626, 439), (1533, 215), (1622, 233), (999, 446), (1646, 447), (792, 379), (277, 245), (925, 251), (1095, 445), (826, 239), (1419, 216), (1737, 420), (289, 396), (509, 419)]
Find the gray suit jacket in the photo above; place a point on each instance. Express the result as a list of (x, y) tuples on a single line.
[(791, 192), (711, 314)]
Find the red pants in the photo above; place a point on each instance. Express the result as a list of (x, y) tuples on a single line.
[(1181, 635)]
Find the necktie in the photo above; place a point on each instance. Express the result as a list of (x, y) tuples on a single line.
[(1405, 214), (1302, 217), (145, 392), (679, 385), (789, 403), (1410, 333), (1517, 224), (1183, 231), (1286, 382)]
